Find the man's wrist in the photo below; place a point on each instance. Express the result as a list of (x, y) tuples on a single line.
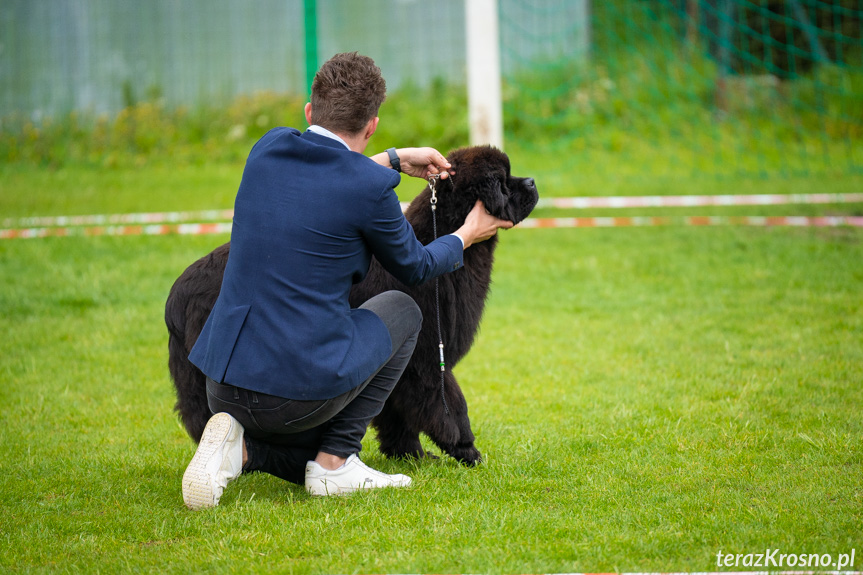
[(394, 159), (463, 244)]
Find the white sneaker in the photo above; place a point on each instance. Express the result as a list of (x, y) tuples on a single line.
[(218, 460), (354, 475)]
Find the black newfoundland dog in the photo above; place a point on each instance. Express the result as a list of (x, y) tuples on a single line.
[(418, 404)]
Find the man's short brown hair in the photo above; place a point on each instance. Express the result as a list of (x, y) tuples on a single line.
[(347, 92)]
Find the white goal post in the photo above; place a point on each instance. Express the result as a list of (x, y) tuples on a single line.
[(483, 73)]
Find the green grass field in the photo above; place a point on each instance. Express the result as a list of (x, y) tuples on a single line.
[(644, 398)]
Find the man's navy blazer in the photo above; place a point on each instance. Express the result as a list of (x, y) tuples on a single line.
[(309, 215)]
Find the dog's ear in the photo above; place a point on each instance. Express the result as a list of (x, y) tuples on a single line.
[(491, 194)]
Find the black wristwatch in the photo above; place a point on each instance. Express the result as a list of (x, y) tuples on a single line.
[(394, 160)]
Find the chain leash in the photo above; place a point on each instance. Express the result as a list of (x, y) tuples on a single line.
[(432, 185)]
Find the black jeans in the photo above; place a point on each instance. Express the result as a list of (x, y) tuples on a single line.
[(281, 434)]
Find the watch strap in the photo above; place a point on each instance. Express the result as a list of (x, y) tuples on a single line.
[(394, 159)]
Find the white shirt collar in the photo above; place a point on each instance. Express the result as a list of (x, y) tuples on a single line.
[(324, 132)]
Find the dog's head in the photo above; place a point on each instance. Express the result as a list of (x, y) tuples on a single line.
[(481, 173)]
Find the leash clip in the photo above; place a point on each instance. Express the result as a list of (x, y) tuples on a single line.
[(433, 178)]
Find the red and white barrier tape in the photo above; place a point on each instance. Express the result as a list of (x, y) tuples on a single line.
[(648, 221), (563, 203), (133, 230), (636, 221), (118, 219), (693, 201)]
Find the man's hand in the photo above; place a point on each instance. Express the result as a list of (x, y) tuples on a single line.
[(479, 225), (418, 162), (423, 162)]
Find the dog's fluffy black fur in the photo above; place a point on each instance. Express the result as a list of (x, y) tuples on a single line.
[(415, 405)]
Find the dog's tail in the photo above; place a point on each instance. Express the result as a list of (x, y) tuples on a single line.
[(189, 382), (189, 303)]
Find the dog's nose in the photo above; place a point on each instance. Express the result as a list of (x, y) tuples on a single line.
[(530, 183)]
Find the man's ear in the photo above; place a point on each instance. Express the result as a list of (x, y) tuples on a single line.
[(372, 127), (308, 110)]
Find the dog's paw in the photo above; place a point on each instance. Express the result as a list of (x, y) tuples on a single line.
[(421, 454), (406, 453), (467, 455)]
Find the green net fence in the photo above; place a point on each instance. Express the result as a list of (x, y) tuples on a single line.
[(687, 87), (610, 90)]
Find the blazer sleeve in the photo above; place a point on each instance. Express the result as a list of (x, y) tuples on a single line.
[(395, 245)]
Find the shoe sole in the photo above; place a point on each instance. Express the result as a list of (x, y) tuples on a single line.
[(341, 491), (323, 488), (197, 487)]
